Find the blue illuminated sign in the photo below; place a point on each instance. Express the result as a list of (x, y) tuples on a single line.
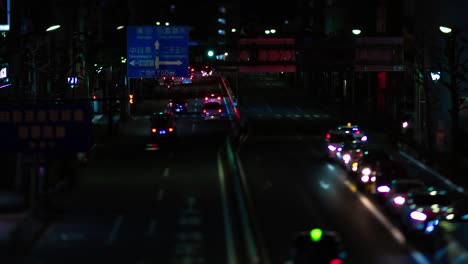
[(156, 51), (58, 128)]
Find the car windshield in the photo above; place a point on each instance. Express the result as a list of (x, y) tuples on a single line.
[(160, 121), (407, 186), (427, 199), (212, 106), (340, 137)]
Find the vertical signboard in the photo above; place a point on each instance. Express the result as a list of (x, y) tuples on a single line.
[(4, 15)]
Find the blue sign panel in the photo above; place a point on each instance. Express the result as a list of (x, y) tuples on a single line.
[(57, 128), (156, 51)]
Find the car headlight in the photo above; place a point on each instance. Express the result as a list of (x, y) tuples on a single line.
[(366, 171)]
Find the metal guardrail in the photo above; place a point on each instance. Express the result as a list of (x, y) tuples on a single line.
[(253, 240)]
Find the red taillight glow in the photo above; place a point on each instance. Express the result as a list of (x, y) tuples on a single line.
[(219, 97), (204, 110), (154, 130), (206, 98), (219, 110), (336, 261), (357, 132), (327, 136), (171, 129)]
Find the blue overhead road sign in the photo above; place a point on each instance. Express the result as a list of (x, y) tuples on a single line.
[(156, 51)]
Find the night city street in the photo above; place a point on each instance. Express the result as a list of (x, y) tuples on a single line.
[(321, 131)]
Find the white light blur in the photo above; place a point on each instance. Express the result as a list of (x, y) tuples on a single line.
[(356, 31), (383, 189), (418, 216), (399, 200), (435, 76), (54, 27), (445, 30)]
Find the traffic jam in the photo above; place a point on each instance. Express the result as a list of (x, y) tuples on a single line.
[(419, 208)]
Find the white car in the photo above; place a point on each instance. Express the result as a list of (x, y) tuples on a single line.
[(212, 110)]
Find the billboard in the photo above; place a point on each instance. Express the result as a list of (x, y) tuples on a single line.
[(45, 128), (267, 55)]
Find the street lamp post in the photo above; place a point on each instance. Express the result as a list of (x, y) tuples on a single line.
[(452, 86), (355, 32)]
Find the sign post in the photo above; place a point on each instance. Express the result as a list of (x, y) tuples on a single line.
[(157, 51)]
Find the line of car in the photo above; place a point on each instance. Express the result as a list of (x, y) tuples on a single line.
[(418, 207), (164, 123)]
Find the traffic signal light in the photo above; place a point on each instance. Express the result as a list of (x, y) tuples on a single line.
[(210, 53), (130, 98), (316, 234)]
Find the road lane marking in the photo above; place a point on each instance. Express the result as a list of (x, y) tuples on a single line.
[(269, 108), (395, 232), (299, 109), (151, 228), (160, 195), (115, 230), (231, 251), (166, 173)]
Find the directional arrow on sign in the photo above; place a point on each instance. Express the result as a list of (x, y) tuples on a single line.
[(132, 63), (158, 62), (156, 45)]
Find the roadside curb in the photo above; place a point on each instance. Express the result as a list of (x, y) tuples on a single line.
[(432, 171)]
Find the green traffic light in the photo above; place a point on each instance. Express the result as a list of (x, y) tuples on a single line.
[(316, 234), (210, 53)]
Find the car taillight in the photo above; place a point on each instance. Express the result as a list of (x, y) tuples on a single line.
[(171, 129), (206, 98), (336, 261), (327, 136), (154, 130), (219, 98), (204, 110), (219, 110)]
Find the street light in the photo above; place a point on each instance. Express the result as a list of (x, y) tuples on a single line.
[(53, 27), (445, 30), (356, 31)]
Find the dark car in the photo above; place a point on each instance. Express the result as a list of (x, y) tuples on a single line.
[(365, 169), (178, 105), (386, 173), (163, 126), (317, 246)]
